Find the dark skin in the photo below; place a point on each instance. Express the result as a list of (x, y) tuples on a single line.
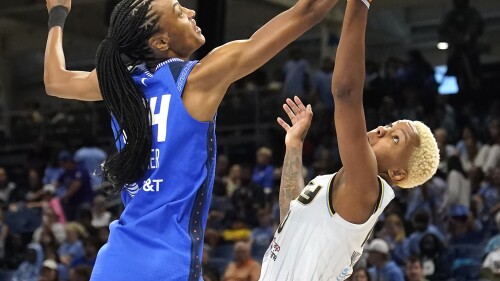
[(178, 37)]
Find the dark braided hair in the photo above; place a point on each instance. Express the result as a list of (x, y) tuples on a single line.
[(132, 24)]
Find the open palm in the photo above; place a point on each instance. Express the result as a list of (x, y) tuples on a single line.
[(300, 117)]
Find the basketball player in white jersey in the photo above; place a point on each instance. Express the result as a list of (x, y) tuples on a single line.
[(325, 225)]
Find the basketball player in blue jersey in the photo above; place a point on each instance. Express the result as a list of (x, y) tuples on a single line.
[(325, 224), (163, 109)]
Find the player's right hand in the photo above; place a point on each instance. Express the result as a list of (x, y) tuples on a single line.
[(300, 117), (52, 3)]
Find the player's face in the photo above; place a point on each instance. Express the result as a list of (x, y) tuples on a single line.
[(360, 275), (178, 23), (393, 144)]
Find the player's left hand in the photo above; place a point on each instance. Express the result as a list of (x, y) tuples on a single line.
[(300, 117)]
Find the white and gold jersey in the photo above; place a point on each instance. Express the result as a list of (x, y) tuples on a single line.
[(315, 243)]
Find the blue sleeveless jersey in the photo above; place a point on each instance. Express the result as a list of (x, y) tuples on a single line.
[(159, 235)]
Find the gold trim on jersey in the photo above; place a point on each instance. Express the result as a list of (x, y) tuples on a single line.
[(329, 196)]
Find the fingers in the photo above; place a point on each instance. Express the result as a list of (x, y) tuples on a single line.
[(289, 112), (309, 109), (283, 124), (299, 103), (293, 106)]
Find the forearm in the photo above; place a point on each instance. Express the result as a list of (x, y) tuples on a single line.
[(55, 64), (292, 180), (349, 73)]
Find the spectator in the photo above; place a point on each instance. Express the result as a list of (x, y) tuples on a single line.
[(462, 228), (50, 224), (468, 149), (29, 269), (73, 186), (49, 271), (383, 268), (233, 180), (263, 171), (414, 269), (80, 273), (100, 216), (296, 71), (462, 28), (422, 226), (243, 267), (248, 198), (359, 274), (72, 249), (208, 268), (490, 191), (459, 188), (445, 150), (435, 258), (90, 157), (7, 189), (49, 201), (52, 171), (393, 232), (91, 246), (221, 168), (262, 235), (321, 88), (35, 186)]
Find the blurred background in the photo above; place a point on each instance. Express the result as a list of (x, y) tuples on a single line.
[(435, 61)]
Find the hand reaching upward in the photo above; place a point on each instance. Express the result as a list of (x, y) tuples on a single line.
[(300, 117)]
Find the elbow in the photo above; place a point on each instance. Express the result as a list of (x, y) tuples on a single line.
[(344, 91), (50, 85)]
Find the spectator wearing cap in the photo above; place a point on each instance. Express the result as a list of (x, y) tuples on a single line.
[(263, 171), (73, 186), (49, 271), (383, 268), (462, 227)]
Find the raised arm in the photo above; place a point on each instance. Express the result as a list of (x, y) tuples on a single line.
[(60, 82), (234, 60), (292, 179), (357, 190)]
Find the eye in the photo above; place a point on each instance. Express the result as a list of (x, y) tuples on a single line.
[(395, 139)]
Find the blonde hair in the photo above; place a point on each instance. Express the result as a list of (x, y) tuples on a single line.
[(424, 158)]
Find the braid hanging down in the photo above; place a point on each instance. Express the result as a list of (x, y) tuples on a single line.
[(132, 24)]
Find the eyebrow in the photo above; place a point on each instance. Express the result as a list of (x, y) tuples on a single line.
[(405, 133), (174, 5)]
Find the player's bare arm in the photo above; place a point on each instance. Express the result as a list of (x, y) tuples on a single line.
[(58, 80), (224, 65), (356, 183), (292, 179)]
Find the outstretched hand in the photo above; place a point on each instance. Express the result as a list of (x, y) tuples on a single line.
[(300, 117), (52, 3)]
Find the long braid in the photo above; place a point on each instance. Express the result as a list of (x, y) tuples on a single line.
[(132, 24)]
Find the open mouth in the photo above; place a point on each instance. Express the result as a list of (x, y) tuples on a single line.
[(195, 27)]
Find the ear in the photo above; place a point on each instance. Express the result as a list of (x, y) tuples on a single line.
[(398, 176), (159, 42)]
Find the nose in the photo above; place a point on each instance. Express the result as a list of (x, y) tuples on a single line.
[(381, 130), (191, 13)]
